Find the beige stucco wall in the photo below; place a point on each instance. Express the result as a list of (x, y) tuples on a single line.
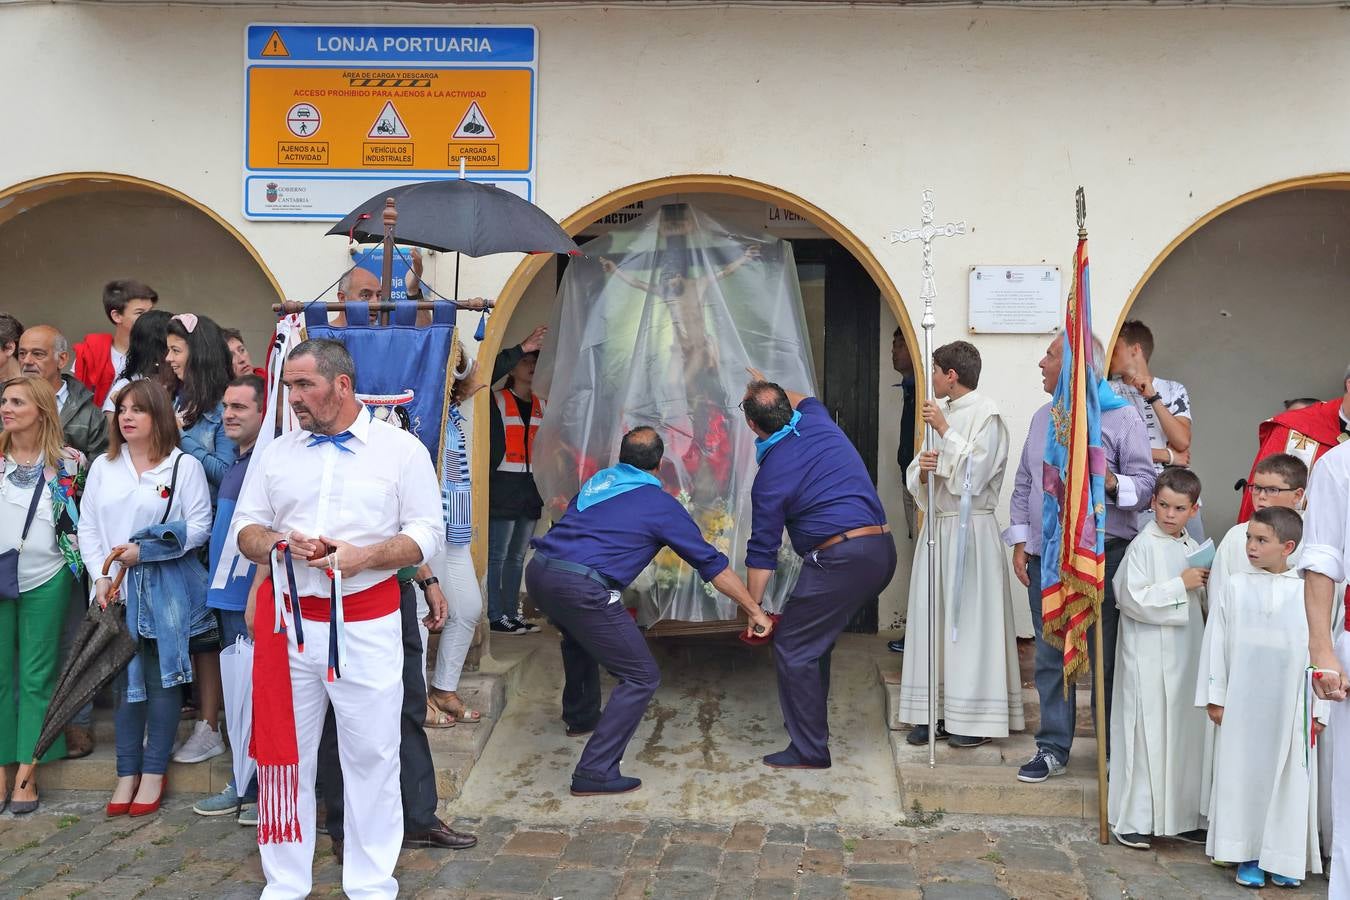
[(57, 257), (1252, 310), (1162, 114)]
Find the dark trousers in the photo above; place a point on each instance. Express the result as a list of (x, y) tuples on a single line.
[(417, 775), (833, 585), (582, 608), (581, 684), (1059, 714)]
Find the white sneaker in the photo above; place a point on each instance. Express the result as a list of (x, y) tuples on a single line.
[(201, 745)]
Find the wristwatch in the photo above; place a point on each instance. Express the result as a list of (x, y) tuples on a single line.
[(428, 582), (1152, 400)]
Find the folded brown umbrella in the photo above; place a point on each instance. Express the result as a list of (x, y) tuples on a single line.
[(102, 647)]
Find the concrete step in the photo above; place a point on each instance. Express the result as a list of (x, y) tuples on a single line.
[(995, 790), (453, 750), (98, 772), (1009, 752), (1031, 705), (983, 780)]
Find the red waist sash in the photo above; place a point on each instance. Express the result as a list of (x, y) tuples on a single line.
[(372, 603)]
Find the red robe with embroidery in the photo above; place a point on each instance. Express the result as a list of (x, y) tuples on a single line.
[(1305, 433)]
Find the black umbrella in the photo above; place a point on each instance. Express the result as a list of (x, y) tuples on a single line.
[(455, 216), (102, 647)]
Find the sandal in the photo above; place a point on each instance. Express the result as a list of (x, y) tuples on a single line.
[(463, 715), (437, 718)]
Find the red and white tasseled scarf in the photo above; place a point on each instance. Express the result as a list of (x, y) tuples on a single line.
[(273, 743)]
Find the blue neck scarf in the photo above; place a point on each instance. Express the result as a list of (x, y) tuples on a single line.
[(763, 444), (609, 483), (1107, 398)]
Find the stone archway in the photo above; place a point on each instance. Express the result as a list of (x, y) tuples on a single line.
[(1248, 309), (71, 232)]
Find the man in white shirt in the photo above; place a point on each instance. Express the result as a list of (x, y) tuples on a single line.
[(1325, 563), (351, 496)]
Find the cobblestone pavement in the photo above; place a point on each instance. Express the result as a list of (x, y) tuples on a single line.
[(70, 850)]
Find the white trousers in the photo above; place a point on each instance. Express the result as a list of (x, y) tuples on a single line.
[(459, 583), (1340, 786), (366, 703)]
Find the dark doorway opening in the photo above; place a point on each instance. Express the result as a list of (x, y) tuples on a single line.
[(843, 317)]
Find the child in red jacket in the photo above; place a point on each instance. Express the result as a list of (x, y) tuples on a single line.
[(100, 357)]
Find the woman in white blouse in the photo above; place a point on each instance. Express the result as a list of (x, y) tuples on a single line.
[(145, 480), (39, 481)]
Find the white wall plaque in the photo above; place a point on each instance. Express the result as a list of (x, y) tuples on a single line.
[(1015, 299)]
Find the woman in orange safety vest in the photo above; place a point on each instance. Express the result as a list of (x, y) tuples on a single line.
[(514, 504)]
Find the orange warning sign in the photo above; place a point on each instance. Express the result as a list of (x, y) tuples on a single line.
[(473, 125), (430, 117), (388, 124), (275, 46)]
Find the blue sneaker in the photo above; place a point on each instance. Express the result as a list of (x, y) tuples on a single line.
[(1282, 881), (1249, 874), (1040, 767), (223, 804)]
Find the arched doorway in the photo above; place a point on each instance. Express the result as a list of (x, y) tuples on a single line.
[(1249, 308), (837, 244), (66, 235)]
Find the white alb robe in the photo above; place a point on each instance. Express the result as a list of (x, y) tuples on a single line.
[(979, 690), (1157, 733), (1230, 558), (1326, 550), (1264, 800)]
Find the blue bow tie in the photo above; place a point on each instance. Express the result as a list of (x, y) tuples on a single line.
[(337, 440)]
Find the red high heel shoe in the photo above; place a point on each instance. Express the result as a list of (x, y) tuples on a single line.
[(145, 809), (121, 809)]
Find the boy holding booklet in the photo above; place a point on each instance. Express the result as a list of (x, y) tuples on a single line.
[(1263, 809)]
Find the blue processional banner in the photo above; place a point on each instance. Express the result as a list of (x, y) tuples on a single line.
[(399, 366)]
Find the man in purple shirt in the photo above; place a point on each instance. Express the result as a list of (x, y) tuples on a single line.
[(1129, 488), (812, 482), (611, 531)]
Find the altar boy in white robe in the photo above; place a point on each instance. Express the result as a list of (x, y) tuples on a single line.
[(1263, 810), (979, 691), (1277, 480), (1157, 732)]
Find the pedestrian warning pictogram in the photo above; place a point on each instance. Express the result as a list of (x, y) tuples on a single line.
[(303, 119), (474, 125), (388, 124), (275, 46)]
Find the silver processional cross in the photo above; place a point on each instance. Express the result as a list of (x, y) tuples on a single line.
[(927, 232)]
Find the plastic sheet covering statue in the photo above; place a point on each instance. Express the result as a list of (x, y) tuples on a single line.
[(657, 326)]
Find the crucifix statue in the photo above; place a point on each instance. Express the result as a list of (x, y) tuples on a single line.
[(926, 232)]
